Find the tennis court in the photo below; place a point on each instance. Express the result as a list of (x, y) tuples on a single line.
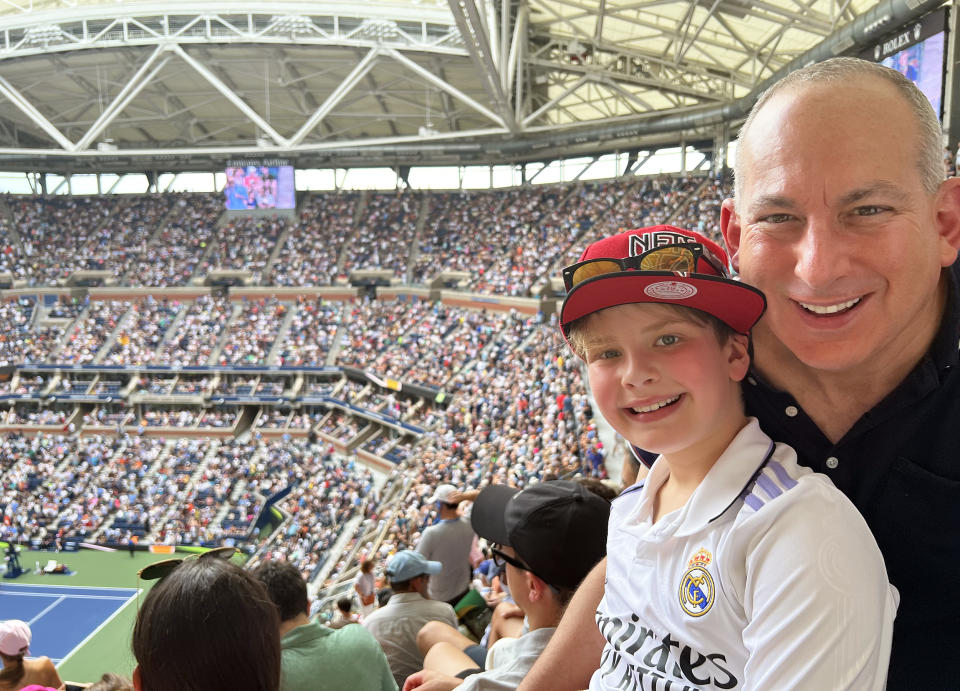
[(88, 632), (62, 618)]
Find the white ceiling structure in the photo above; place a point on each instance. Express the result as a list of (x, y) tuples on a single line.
[(176, 85)]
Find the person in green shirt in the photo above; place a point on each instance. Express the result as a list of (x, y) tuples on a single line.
[(315, 656)]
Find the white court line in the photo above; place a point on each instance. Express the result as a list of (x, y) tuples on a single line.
[(97, 630), (70, 595), (47, 609), (15, 587)]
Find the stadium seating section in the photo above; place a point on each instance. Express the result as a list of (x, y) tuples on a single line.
[(170, 410)]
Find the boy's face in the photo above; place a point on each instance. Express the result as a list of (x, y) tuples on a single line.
[(664, 382)]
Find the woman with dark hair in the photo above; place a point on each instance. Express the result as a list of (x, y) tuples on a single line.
[(18, 673), (207, 625)]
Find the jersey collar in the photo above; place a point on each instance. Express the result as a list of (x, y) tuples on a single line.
[(725, 482)]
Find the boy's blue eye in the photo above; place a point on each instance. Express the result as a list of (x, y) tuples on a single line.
[(605, 354), (668, 340)]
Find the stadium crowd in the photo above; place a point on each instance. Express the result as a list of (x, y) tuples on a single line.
[(171, 240)]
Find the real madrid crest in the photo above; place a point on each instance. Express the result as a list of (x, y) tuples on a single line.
[(696, 587)]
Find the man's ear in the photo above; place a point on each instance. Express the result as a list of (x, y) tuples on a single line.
[(137, 680), (730, 227), (947, 211), (738, 356)]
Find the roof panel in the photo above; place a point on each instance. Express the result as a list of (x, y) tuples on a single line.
[(236, 78)]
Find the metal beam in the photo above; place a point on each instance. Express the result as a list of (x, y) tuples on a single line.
[(440, 84), (518, 51), (28, 109), (143, 76), (342, 89), (638, 164), (670, 83), (478, 44), (215, 82), (554, 101), (683, 48), (585, 168)]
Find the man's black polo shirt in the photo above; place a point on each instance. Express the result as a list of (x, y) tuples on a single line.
[(900, 465)]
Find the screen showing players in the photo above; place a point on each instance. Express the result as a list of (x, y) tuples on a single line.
[(259, 187), (922, 63)]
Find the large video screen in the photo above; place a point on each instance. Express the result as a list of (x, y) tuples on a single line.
[(257, 186), (922, 63)]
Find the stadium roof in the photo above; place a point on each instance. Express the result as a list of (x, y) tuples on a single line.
[(175, 85)]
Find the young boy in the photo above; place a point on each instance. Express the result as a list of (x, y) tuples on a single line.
[(730, 566)]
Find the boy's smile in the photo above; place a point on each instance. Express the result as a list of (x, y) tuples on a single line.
[(656, 406), (664, 382)]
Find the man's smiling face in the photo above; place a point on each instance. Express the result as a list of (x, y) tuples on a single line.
[(834, 225)]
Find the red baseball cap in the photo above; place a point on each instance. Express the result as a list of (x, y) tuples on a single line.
[(708, 288)]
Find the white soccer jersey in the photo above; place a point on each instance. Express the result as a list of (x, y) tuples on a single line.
[(768, 578)]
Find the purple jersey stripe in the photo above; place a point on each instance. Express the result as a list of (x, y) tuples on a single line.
[(768, 486), (753, 501), (781, 473)]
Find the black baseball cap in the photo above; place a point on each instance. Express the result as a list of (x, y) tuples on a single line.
[(557, 528)]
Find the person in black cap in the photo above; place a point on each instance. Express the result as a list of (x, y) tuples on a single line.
[(546, 538)]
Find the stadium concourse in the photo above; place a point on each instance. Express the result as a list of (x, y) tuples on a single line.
[(164, 411)]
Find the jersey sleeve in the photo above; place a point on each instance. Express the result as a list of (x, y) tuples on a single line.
[(816, 598)]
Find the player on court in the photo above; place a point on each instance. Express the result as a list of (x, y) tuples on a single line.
[(730, 566)]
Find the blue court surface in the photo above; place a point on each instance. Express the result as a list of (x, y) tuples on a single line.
[(62, 618)]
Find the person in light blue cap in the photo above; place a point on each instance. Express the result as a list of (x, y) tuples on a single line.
[(407, 565), (395, 625)]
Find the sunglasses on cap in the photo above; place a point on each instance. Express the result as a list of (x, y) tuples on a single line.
[(162, 569), (678, 258)]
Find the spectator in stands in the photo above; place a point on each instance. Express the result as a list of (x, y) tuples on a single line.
[(396, 625), (17, 672), (366, 586), (344, 614), (547, 539), (843, 218), (449, 541), (316, 656), (208, 624)]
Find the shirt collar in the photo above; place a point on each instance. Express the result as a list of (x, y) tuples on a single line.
[(412, 596), (723, 484), (306, 632)]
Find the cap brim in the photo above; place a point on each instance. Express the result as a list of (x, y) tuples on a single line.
[(737, 304), (488, 516), (433, 567)]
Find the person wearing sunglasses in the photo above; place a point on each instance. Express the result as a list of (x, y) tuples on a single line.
[(724, 566), (207, 624), (546, 538), (316, 656)]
